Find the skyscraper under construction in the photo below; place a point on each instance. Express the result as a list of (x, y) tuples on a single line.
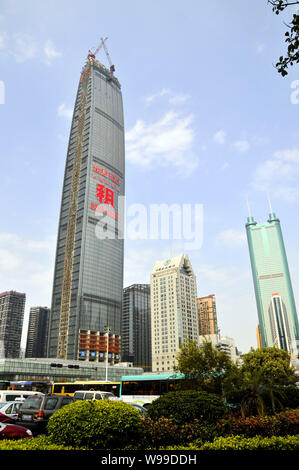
[(88, 276)]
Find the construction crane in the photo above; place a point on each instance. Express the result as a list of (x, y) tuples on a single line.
[(93, 54), (112, 68)]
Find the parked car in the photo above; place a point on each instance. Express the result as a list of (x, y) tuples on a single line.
[(140, 408), (92, 395), (36, 410), (13, 431), (6, 419), (10, 408), (12, 395)]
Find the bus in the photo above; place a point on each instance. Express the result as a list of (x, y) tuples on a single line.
[(4, 384), (43, 386), (143, 389), (69, 388)]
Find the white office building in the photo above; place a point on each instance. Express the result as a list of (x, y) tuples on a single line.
[(174, 310)]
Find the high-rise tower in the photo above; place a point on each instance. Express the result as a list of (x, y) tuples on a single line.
[(88, 277), (37, 336), (173, 310), (207, 315), (278, 322), (12, 306), (136, 326)]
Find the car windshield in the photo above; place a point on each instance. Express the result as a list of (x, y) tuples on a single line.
[(32, 403), (2, 404)]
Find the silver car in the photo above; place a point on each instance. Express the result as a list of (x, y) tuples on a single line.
[(10, 408)]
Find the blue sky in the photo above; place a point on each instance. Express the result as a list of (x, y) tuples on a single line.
[(208, 121)]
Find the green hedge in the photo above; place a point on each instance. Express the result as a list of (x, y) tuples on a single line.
[(98, 424), (253, 443), (37, 443), (186, 405)]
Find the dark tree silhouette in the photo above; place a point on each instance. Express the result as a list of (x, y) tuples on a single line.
[(291, 36)]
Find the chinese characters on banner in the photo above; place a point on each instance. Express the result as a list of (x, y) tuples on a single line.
[(105, 191)]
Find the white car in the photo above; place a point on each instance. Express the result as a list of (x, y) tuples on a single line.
[(10, 408)]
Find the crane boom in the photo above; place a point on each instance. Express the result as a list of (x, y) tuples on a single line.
[(112, 68), (99, 47), (93, 54)]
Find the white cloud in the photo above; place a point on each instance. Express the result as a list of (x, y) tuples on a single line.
[(279, 175), (172, 98), (27, 266), (241, 145), (2, 40), (179, 98), (260, 48), (24, 47), (231, 237), (163, 92), (138, 269), (288, 155), (167, 141), (220, 136), (50, 52), (63, 111), (222, 275)]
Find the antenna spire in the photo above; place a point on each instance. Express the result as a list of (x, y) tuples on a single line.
[(248, 207), (269, 201)]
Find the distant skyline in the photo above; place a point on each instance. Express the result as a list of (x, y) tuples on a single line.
[(208, 121)]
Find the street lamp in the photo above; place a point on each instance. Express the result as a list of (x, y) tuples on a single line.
[(107, 330)]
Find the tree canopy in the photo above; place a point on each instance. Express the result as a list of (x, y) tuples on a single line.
[(291, 36), (204, 366), (253, 384), (272, 364)]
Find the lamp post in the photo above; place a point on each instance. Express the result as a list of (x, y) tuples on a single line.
[(107, 330)]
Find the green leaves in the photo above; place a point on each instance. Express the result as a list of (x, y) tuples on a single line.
[(98, 424), (292, 37), (204, 367), (186, 405)]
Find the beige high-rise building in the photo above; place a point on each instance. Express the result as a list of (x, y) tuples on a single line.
[(174, 311)]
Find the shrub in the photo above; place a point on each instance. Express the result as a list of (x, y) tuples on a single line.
[(253, 443), (186, 405), (288, 396), (37, 443), (284, 396), (166, 432), (281, 424), (98, 424), (162, 432)]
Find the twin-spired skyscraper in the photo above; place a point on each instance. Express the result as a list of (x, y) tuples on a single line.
[(278, 322), (88, 277)]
